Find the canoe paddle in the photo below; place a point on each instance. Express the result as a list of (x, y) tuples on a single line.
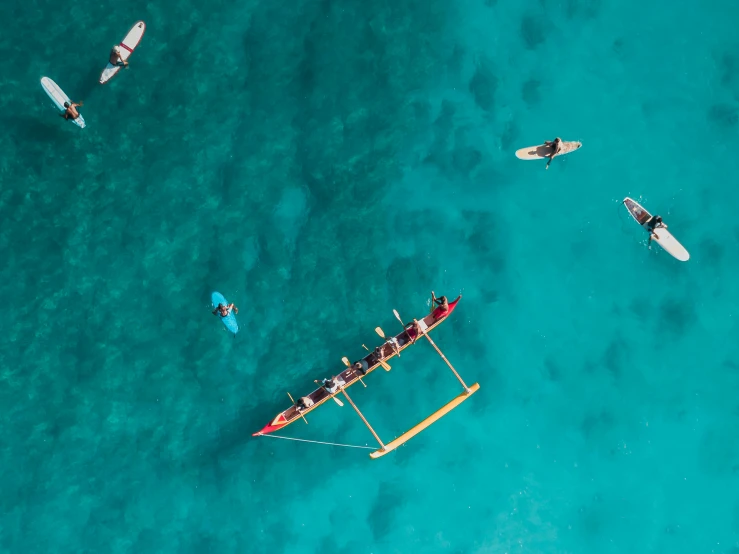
[(339, 402), (382, 334), (347, 364), (397, 316), (296, 407), (385, 366)]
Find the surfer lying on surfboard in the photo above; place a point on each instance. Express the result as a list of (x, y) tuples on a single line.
[(556, 144), (223, 310), (71, 111), (115, 57)]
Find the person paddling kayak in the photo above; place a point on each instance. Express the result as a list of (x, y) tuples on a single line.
[(71, 111), (223, 310), (556, 145), (115, 57)]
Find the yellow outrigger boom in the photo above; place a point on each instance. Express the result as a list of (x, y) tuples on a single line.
[(438, 414), (413, 431)]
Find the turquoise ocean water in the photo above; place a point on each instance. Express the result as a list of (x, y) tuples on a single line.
[(321, 163)]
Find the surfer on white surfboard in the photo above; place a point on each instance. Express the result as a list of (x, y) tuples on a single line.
[(71, 111), (556, 144), (654, 222), (115, 57)]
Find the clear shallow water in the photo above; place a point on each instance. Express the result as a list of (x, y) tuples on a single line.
[(321, 165)]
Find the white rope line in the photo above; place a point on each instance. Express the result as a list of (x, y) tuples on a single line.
[(318, 442)]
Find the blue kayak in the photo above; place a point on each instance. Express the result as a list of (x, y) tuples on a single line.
[(230, 320)]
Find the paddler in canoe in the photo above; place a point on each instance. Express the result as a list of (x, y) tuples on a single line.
[(333, 384), (304, 403), (413, 330), (556, 145), (360, 367), (224, 310), (440, 306), (116, 59), (71, 110)]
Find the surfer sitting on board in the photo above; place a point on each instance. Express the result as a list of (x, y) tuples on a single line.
[(71, 111), (115, 57), (442, 304), (223, 310), (654, 222), (556, 144)]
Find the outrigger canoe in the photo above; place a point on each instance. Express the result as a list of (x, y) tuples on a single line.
[(372, 361)]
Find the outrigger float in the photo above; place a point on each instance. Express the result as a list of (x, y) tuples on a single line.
[(377, 358)]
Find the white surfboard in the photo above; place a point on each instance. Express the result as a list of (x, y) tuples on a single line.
[(664, 237), (58, 96), (542, 151), (128, 45)]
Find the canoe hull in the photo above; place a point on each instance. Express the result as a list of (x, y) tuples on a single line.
[(320, 395)]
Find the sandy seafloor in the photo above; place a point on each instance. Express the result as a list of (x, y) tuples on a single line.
[(321, 163)]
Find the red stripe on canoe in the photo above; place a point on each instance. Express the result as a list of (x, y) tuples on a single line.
[(277, 423)]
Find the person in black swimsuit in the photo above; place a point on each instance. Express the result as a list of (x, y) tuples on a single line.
[(654, 222), (556, 144)]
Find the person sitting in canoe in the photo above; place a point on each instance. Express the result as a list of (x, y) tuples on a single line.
[(71, 111), (380, 352), (115, 57), (441, 305), (332, 385), (413, 331), (223, 310), (303, 403), (360, 367), (556, 145), (654, 222)]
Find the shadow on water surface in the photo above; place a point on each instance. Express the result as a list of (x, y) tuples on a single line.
[(33, 129), (530, 91), (723, 116), (532, 32), (484, 84), (390, 499), (676, 316)]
